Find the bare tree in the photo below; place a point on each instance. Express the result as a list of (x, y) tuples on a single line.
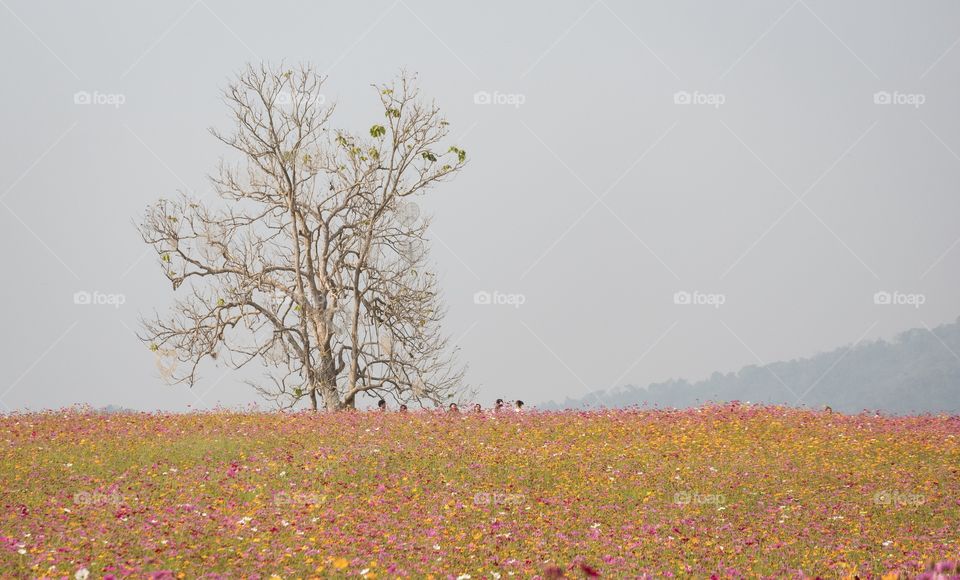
[(314, 260)]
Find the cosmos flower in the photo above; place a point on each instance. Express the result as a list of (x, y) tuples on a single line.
[(721, 491)]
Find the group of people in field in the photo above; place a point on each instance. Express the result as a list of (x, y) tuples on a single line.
[(498, 407)]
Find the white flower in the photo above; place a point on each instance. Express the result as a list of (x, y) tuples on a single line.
[(244, 521), (21, 551), (82, 574), (463, 577)]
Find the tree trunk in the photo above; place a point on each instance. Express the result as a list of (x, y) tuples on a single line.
[(328, 379), (331, 401)]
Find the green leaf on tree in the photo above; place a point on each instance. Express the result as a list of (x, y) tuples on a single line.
[(461, 154)]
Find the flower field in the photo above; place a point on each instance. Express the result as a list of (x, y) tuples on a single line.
[(726, 490)]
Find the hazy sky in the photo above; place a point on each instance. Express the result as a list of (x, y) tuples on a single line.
[(781, 161)]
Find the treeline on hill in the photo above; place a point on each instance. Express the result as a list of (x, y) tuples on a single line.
[(917, 372)]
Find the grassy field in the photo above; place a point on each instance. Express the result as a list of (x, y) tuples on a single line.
[(726, 490)]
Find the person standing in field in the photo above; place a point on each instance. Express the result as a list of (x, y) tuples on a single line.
[(382, 406), (477, 408), (453, 408), (498, 406), (518, 406)]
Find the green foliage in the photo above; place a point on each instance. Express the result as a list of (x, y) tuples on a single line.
[(461, 154)]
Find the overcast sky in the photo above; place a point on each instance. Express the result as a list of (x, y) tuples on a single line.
[(781, 162)]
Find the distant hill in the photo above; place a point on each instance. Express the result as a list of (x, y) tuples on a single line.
[(917, 372)]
